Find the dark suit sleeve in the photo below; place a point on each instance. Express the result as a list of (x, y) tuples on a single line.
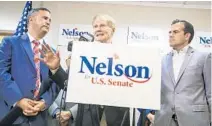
[(48, 91), (59, 77), (8, 87)]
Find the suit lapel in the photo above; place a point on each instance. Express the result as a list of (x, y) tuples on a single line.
[(43, 70), (185, 63), (25, 42), (170, 67)]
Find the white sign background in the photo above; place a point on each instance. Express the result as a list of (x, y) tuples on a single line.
[(145, 95), (149, 36), (196, 41), (64, 39)]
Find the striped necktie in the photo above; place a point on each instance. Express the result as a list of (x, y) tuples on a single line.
[(37, 67)]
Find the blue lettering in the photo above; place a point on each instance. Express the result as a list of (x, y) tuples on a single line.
[(65, 32), (81, 33), (110, 65), (119, 70), (86, 62), (205, 40), (127, 71), (73, 32), (140, 70), (102, 68), (98, 67)]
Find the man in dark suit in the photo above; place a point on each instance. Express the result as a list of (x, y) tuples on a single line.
[(104, 28), (22, 74), (68, 112)]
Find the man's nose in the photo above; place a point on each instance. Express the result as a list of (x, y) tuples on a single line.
[(98, 28), (171, 34), (48, 22)]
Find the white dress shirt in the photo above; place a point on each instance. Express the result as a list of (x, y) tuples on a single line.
[(32, 45), (31, 39), (178, 58)]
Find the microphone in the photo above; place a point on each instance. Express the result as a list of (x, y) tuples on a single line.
[(87, 37), (16, 111)]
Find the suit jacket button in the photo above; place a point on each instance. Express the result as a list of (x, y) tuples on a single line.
[(173, 108)]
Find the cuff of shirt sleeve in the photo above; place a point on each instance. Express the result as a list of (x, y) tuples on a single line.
[(44, 106), (14, 104), (54, 71), (73, 111), (55, 112)]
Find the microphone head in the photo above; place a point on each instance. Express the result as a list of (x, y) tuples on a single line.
[(86, 37), (70, 44)]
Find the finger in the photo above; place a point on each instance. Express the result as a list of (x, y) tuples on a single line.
[(40, 104), (57, 113), (44, 48), (49, 48), (62, 121), (41, 59), (30, 114), (42, 52), (30, 102), (58, 54), (32, 108), (65, 119), (38, 107), (45, 43), (26, 114), (36, 102), (58, 116), (26, 111)]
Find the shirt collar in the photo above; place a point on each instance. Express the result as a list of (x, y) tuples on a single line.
[(32, 39), (183, 50)]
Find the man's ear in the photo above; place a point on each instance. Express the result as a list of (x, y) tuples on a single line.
[(187, 36), (114, 30)]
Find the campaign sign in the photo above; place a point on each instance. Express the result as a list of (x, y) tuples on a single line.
[(115, 75)]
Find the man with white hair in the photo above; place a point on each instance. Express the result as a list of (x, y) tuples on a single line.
[(103, 29)]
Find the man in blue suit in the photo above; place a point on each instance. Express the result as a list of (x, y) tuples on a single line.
[(21, 75)]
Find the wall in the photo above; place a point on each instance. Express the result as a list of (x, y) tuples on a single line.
[(82, 13), (125, 15)]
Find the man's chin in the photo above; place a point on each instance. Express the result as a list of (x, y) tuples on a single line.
[(171, 44), (45, 31), (100, 40)]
